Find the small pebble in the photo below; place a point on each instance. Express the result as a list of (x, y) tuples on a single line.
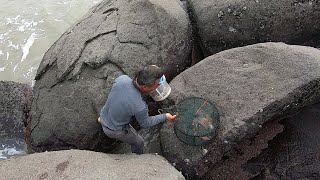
[(204, 151)]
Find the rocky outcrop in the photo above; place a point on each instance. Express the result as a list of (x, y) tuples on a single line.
[(234, 161), (250, 86), (75, 75), (15, 106), (227, 24), (293, 154), (77, 164)]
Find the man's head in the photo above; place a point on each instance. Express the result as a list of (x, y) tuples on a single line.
[(147, 79)]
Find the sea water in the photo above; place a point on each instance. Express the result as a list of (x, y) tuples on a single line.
[(27, 30)]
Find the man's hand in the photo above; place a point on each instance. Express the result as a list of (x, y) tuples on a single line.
[(170, 117)]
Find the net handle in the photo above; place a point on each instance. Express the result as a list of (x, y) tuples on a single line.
[(204, 103), (170, 108)]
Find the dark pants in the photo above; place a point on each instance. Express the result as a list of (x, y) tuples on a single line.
[(129, 136)]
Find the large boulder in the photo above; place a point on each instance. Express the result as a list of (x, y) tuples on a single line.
[(227, 24), (293, 154), (80, 164), (250, 86), (15, 106), (76, 74)]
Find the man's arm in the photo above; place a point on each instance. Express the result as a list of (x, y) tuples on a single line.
[(146, 121)]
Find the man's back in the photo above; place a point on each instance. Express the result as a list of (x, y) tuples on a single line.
[(124, 101)]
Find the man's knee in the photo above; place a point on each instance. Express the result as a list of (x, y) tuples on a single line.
[(140, 142), (138, 146)]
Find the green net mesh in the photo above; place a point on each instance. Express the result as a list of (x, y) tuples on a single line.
[(197, 121)]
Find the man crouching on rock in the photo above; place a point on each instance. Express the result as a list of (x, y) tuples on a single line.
[(125, 101)]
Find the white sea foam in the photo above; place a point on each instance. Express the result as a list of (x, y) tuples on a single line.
[(29, 75), (15, 46), (2, 36), (15, 67), (3, 68), (21, 28), (27, 46), (25, 24), (9, 21), (14, 20), (33, 82), (9, 151), (17, 40)]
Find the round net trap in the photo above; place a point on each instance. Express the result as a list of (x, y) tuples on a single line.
[(197, 121)]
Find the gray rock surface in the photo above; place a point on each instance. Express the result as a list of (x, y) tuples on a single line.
[(81, 164), (250, 86), (75, 75), (227, 24), (15, 105), (293, 154)]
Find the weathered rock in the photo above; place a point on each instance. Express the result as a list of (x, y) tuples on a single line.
[(250, 86), (15, 105), (75, 75), (227, 24), (77, 164), (151, 142), (233, 161), (293, 154)]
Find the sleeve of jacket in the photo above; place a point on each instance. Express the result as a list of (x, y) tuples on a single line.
[(146, 121)]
